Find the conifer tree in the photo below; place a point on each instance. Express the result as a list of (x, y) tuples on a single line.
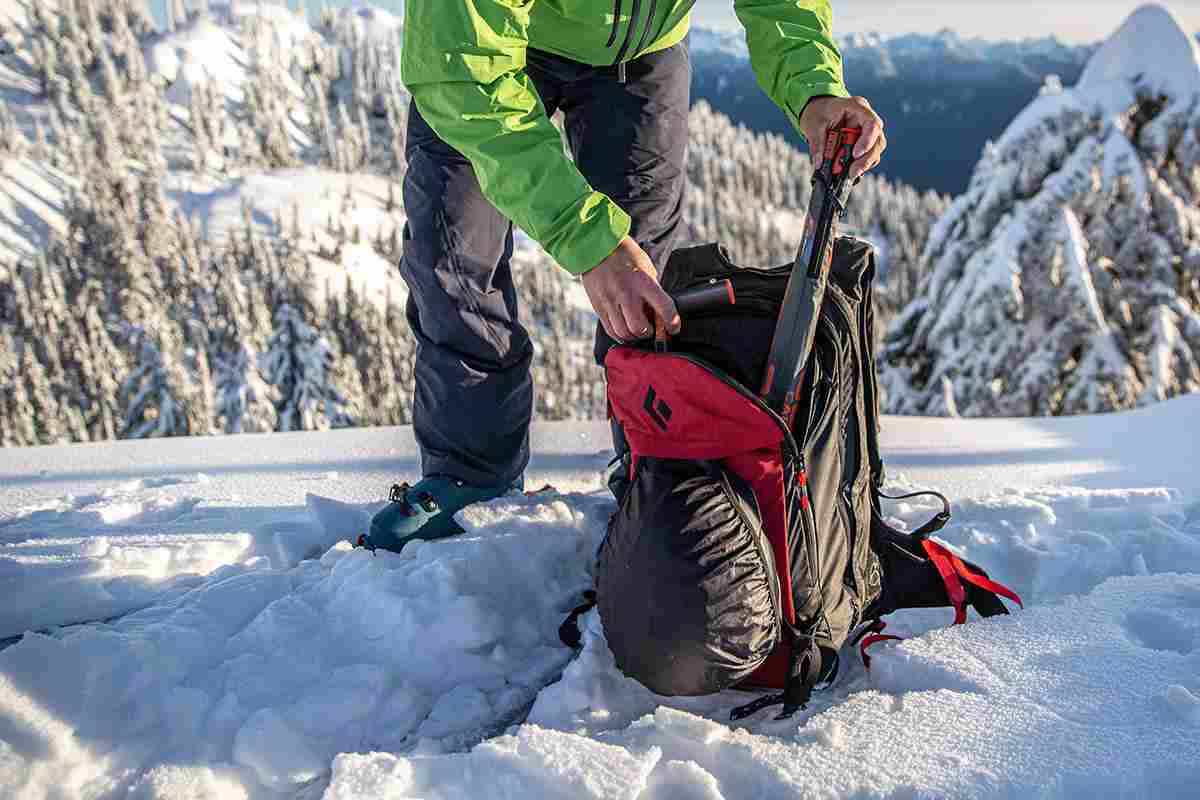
[(300, 363)]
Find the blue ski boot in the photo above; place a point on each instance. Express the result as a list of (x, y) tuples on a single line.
[(426, 511)]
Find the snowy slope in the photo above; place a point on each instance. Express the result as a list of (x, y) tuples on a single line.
[(1064, 280), (300, 667), (1151, 48), (327, 207), (32, 205)]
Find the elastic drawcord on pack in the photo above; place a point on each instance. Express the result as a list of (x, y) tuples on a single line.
[(934, 525)]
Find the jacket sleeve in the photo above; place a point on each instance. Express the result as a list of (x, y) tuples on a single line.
[(463, 61), (792, 51)]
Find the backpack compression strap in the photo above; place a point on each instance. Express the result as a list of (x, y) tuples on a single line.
[(953, 571), (807, 669)]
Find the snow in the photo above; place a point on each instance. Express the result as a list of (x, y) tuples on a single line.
[(32, 205), (1077, 275), (368, 20), (1120, 159), (1060, 701), (204, 48), (255, 654), (1151, 49), (13, 11), (316, 199), (226, 48), (199, 52)]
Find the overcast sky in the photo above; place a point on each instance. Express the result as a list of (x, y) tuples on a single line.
[(1072, 20)]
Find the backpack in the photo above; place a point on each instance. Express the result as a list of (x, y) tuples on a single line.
[(745, 552)]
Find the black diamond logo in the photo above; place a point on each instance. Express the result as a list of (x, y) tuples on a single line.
[(658, 410)]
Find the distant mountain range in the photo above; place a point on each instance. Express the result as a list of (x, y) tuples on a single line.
[(943, 96)]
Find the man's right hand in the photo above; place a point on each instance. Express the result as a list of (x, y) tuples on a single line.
[(624, 291)]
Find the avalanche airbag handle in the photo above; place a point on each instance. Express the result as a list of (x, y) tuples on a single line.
[(709, 297)]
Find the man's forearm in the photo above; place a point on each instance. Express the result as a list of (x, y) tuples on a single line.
[(792, 51)]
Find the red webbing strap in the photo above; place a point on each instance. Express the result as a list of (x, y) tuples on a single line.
[(877, 636), (984, 582), (953, 571), (943, 560)]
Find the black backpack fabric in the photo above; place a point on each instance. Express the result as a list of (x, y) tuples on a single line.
[(706, 587), (744, 552)]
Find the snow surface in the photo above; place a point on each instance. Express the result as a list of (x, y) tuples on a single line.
[(256, 655)]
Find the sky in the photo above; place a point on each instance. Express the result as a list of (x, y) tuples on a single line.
[(1071, 20)]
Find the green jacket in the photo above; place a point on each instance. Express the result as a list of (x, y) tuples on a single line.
[(463, 61)]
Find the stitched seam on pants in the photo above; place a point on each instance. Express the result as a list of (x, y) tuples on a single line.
[(468, 293)]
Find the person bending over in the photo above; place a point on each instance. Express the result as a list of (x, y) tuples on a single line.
[(485, 78)]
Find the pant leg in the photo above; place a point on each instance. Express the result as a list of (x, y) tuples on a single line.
[(474, 393), (630, 142)]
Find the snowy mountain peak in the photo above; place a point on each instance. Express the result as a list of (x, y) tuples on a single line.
[(1152, 50)]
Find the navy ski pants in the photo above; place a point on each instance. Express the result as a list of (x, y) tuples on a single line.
[(474, 393)]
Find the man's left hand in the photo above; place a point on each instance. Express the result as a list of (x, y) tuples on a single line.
[(823, 113)]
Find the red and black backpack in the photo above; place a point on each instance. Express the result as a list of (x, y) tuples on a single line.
[(745, 552)]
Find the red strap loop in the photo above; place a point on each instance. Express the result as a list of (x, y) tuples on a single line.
[(876, 636), (984, 582), (953, 571), (941, 558)]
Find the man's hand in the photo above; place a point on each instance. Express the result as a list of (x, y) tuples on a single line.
[(624, 290), (823, 113)]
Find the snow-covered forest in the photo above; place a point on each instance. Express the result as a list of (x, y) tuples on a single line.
[(199, 226)]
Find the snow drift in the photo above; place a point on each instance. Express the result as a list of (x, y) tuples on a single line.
[(246, 651)]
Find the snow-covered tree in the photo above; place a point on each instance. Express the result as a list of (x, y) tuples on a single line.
[(245, 402), (17, 425), (158, 397), (299, 362), (1066, 279)]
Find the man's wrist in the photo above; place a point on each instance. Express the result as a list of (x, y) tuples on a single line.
[(802, 95), (809, 102)]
